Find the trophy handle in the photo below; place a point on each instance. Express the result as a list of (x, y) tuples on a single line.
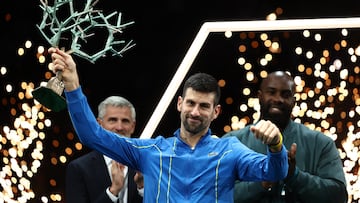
[(50, 95)]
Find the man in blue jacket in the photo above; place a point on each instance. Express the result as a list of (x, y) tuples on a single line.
[(191, 166)]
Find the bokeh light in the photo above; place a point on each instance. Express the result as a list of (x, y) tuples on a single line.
[(327, 81), (328, 100)]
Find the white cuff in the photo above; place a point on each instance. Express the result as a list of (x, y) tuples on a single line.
[(111, 195), (141, 192)]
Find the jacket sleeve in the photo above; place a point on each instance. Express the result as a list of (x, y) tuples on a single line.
[(75, 190), (254, 166), (103, 198), (245, 192), (328, 185)]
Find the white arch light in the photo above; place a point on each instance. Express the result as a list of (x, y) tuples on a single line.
[(235, 26)]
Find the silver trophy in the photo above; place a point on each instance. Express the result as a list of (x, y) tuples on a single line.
[(79, 27), (50, 95)]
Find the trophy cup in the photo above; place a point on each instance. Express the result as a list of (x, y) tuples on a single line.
[(50, 95), (78, 25)]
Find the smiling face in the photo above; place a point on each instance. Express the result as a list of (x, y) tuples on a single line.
[(118, 119), (276, 97), (197, 111)]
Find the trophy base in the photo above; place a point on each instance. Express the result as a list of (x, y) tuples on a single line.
[(50, 99)]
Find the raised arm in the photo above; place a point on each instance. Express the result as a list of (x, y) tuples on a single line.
[(85, 124)]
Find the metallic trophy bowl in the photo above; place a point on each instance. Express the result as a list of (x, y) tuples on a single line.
[(50, 95)]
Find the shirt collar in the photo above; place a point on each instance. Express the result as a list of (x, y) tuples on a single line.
[(107, 160)]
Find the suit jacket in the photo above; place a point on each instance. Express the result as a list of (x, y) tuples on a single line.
[(87, 178)]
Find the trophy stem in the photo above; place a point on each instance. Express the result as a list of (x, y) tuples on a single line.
[(50, 95), (59, 75)]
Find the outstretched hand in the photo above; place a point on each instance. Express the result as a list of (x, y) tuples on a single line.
[(62, 61)]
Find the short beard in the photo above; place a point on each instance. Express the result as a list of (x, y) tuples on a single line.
[(280, 120), (191, 129)]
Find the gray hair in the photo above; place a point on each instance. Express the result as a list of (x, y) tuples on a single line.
[(115, 101)]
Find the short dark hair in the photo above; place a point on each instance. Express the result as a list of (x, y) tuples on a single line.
[(203, 82), (281, 73)]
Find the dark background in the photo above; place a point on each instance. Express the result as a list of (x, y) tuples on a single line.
[(163, 32)]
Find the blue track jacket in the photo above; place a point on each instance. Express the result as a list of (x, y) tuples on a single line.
[(173, 171)]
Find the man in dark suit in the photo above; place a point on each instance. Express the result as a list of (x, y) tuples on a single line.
[(95, 178)]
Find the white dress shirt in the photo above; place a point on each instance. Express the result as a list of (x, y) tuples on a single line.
[(124, 192)]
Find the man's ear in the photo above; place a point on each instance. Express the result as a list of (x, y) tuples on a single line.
[(99, 120), (179, 103), (217, 111)]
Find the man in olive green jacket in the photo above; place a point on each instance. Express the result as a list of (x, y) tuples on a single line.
[(315, 169)]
